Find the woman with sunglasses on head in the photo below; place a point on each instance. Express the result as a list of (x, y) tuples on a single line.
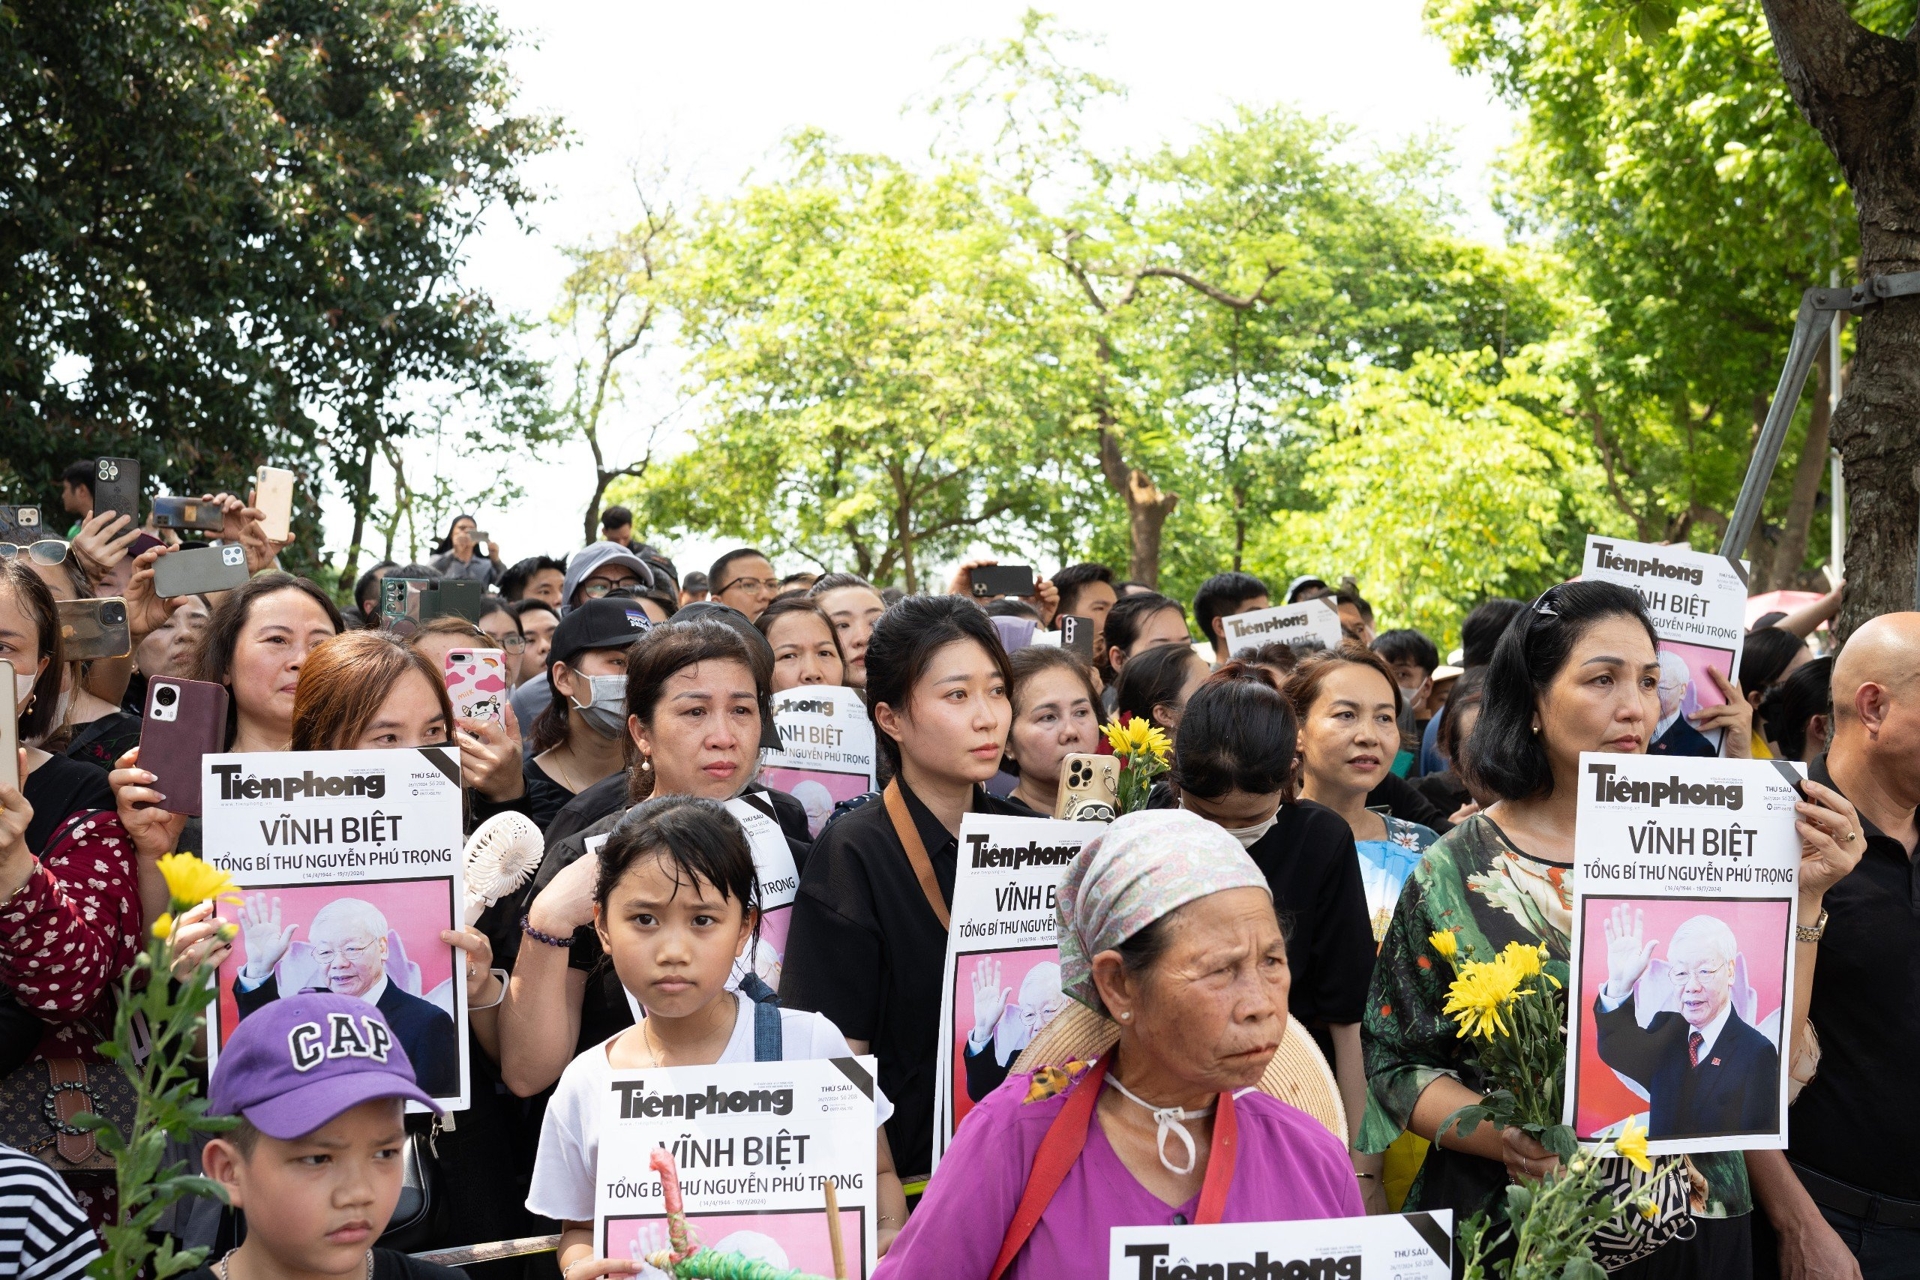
[(1576, 671), (695, 705), (869, 938)]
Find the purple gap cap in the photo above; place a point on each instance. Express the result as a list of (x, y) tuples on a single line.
[(304, 1059)]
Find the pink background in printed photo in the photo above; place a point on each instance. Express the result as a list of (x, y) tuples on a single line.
[(416, 909), (1759, 927), (802, 1233), (840, 786), (1701, 690), (1014, 966)]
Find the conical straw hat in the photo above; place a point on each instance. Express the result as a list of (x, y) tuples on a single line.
[(1297, 1075)]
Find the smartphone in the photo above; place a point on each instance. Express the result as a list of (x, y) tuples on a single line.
[(477, 684), (116, 486), (404, 603), (94, 629), (220, 567), (185, 720), (188, 513), (9, 729), (20, 524), (991, 580), (1089, 788), (459, 597), (1076, 635), (143, 543), (273, 495)]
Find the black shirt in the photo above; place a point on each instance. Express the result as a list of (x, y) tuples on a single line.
[(1409, 803), (57, 790), (103, 741), (388, 1264), (1858, 1120), (545, 797), (1312, 867), (865, 949), (609, 795)]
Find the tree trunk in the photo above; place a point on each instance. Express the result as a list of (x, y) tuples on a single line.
[(362, 503), (1861, 91), (1147, 509), (1807, 477)]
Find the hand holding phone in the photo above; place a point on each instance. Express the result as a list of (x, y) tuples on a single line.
[(477, 684), (185, 720), (1089, 788), (188, 513), (201, 570), (1076, 636), (989, 580), (91, 629), (273, 498), (116, 486)]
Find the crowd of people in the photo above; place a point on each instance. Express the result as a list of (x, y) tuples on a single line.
[(1325, 809)]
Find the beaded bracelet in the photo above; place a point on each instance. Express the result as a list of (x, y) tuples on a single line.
[(526, 927)]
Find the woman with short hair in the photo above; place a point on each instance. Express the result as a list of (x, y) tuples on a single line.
[(1577, 671), (805, 643), (1168, 932), (1056, 713)]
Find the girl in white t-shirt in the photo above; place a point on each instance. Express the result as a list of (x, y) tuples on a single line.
[(675, 904)]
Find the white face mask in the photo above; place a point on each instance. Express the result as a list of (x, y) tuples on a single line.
[(23, 688), (1249, 836)]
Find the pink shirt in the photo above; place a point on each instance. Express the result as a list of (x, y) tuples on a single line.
[(1289, 1167)]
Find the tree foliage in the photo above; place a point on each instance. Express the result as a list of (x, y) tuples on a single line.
[(234, 233)]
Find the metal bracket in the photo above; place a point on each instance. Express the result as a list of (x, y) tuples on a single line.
[(1817, 309)]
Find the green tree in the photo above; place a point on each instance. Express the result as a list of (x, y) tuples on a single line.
[(877, 364), (235, 233)]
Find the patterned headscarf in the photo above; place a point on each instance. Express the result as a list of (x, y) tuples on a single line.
[(1144, 866)]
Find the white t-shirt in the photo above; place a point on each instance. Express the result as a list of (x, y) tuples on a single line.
[(563, 1172)]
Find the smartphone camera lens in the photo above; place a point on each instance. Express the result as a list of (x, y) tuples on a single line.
[(113, 611), (167, 695)]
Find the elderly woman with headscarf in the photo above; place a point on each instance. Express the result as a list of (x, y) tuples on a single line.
[(1168, 929)]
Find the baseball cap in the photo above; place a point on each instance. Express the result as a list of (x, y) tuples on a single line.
[(304, 1059), (607, 623), (1305, 580), (695, 581)]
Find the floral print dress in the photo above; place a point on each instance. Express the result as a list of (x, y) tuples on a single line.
[(1479, 885)]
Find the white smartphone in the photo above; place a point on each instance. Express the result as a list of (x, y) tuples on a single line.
[(273, 494), (9, 729)]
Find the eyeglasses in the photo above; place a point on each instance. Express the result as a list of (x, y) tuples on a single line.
[(752, 584), (46, 551), (512, 642), (1702, 975), (355, 952), (595, 588)]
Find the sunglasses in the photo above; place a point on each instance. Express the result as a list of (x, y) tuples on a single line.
[(48, 551)]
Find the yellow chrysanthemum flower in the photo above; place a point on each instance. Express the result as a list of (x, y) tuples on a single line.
[(1443, 941), (191, 881), (1139, 737), (1523, 960), (1632, 1144), (163, 927), (1479, 994)]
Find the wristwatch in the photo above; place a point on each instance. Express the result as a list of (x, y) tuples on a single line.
[(1815, 932)]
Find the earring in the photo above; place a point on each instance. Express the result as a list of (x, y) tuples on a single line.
[(1126, 1015), (646, 764)]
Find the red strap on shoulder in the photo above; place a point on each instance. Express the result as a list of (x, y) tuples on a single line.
[(1059, 1150), (1221, 1154)]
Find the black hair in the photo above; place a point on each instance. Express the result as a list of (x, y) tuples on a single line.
[(891, 596), (36, 601), (527, 604), (1468, 690), (243, 1137), (1151, 680), (213, 660), (615, 518), (1504, 754), (1765, 620), (1765, 657), (1274, 653), (1221, 596), (716, 575), (513, 583), (1075, 578), (417, 571), (1238, 734), (1010, 607), (366, 589), (1346, 595), (1130, 613), (79, 475), (698, 838), (835, 581), (1483, 627), (904, 640), (490, 605), (668, 647), (445, 544), (1409, 647), (1793, 702)]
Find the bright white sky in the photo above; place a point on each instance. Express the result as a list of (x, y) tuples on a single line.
[(712, 88)]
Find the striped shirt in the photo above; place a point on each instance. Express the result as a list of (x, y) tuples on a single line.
[(43, 1233)]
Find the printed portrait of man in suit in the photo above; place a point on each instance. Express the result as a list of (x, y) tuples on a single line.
[(1705, 1070), (348, 938)]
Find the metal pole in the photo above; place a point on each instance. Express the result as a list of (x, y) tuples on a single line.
[(1773, 433), (1837, 486)]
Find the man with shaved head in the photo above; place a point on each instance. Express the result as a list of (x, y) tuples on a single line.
[(1854, 1208), (348, 948)]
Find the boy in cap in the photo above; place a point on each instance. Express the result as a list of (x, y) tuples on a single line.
[(320, 1085)]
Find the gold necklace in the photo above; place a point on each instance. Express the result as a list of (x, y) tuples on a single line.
[(224, 1272)]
